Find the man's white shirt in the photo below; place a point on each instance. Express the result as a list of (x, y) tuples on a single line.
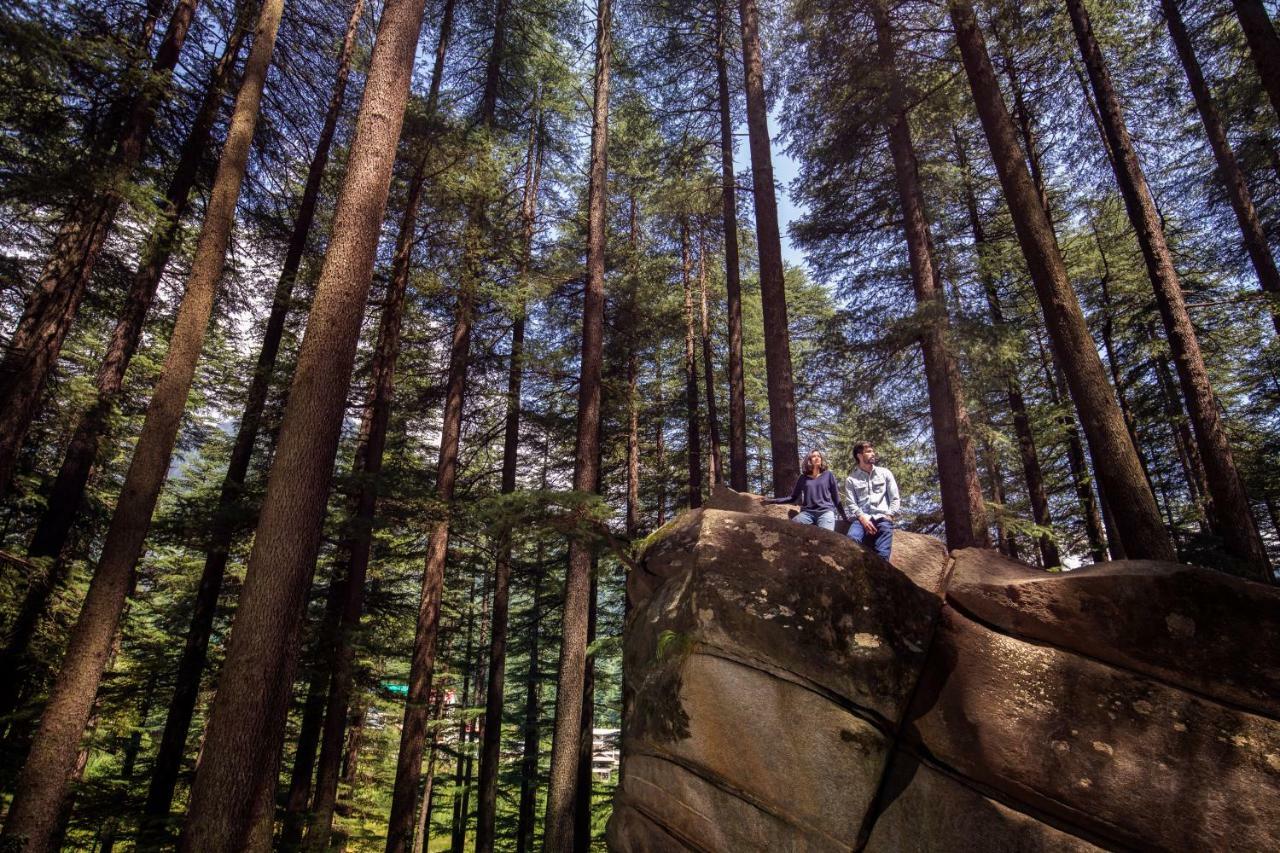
[(872, 493)]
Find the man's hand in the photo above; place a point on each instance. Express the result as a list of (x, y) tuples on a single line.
[(867, 524)]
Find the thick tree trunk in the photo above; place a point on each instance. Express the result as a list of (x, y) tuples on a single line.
[(247, 719), (1239, 530), (224, 526), (963, 511), (562, 786), (412, 733), (773, 297), (526, 816), (490, 750), (732, 277), (1264, 45), (1137, 515), (708, 367), (1229, 171), (693, 436), (42, 784), (52, 305), (586, 738), (368, 469)]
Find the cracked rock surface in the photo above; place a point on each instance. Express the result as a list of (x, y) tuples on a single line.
[(786, 689)]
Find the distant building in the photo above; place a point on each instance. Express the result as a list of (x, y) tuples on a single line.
[(606, 749)]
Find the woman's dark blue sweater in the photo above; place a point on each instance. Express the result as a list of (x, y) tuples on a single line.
[(819, 494)]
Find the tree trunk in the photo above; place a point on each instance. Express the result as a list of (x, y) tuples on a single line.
[(1005, 543), (562, 785), (490, 750), (68, 489), (693, 435), (1239, 530), (462, 772), (1142, 530), (733, 282), (43, 782), (355, 737), (249, 710), (422, 826), (52, 305), (532, 733), (1264, 45), (224, 526), (773, 297), (1031, 471), (708, 366), (368, 470), (586, 737), (964, 514), (1229, 172), (1176, 415)]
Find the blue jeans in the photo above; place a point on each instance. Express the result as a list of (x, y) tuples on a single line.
[(881, 540), (824, 518)]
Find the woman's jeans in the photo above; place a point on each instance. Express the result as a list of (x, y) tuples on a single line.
[(881, 540), (824, 518)]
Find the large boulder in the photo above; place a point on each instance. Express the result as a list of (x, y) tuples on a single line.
[(786, 689)]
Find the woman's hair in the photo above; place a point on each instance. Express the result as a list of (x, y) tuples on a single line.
[(808, 463)]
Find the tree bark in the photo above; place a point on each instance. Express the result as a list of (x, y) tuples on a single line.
[(708, 367), (43, 782), (224, 523), (1264, 45), (1239, 530), (1137, 515), (964, 514), (773, 297), (732, 278), (462, 772), (248, 714), (490, 750), (368, 470), (51, 306), (693, 443), (1229, 171), (558, 836), (586, 738)]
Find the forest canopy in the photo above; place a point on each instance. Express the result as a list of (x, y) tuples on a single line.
[(353, 352)]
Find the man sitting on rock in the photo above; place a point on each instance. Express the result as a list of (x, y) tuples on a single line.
[(872, 493)]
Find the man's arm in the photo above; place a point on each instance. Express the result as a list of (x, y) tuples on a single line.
[(891, 492)]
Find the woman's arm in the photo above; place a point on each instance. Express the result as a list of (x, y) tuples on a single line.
[(793, 498)]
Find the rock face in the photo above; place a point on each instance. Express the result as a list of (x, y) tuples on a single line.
[(788, 690)]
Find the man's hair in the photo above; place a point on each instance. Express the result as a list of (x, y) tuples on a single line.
[(808, 463), (861, 446)]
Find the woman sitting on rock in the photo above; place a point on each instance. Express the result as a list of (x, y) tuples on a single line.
[(817, 494)]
